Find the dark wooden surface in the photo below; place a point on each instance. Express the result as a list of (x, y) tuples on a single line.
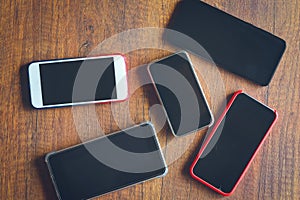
[(41, 30)]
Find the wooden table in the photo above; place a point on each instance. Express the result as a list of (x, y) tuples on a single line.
[(41, 30)]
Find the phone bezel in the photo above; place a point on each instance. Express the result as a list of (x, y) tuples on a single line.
[(69, 148), (228, 106), (200, 88), (120, 69)]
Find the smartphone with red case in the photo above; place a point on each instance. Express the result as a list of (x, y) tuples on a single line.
[(233, 143)]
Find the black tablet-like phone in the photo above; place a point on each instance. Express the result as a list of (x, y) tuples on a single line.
[(107, 164), (233, 44)]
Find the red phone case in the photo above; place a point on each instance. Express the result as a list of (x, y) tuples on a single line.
[(209, 138)]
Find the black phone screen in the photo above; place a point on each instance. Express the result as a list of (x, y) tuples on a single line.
[(180, 93), (107, 164), (234, 143), (233, 44), (58, 79)]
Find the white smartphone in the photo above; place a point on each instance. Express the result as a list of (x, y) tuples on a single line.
[(78, 81)]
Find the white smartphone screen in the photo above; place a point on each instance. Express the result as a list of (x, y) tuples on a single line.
[(96, 78)]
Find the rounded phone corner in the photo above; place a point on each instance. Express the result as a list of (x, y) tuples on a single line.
[(148, 68), (120, 55), (212, 120), (31, 65), (122, 98), (276, 114), (148, 123), (183, 52), (191, 171), (218, 190), (48, 156), (35, 105), (238, 92), (226, 194), (266, 83), (126, 96), (165, 172)]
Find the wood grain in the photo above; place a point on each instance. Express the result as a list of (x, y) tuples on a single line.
[(41, 30)]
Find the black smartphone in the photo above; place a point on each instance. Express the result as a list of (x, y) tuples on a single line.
[(107, 164), (232, 144), (233, 44), (180, 93)]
